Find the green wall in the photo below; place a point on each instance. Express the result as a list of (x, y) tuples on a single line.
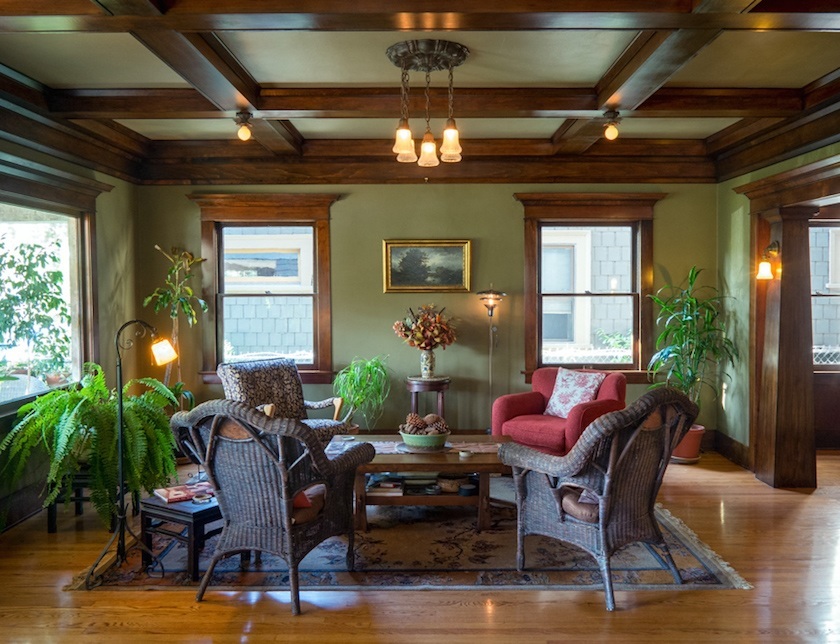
[(362, 314)]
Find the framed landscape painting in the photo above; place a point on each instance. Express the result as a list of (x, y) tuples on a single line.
[(416, 265)]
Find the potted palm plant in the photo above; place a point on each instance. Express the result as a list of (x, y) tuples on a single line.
[(364, 386), (77, 428), (691, 347)]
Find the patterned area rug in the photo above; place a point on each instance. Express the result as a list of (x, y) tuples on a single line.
[(413, 547)]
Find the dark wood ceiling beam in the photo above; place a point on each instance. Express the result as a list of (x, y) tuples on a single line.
[(797, 136), (527, 102), (116, 135), (737, 133), (576, 136), (277, 136), (131, 7), (512, 16), (388, 171)]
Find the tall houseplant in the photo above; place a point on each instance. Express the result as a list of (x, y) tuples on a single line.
[(77, 428), (364, 385), (692, 344), (177, 297)]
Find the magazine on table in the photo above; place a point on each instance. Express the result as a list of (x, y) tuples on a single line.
[(178, 493)]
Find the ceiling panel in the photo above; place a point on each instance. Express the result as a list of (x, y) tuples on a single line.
[(497, 59), (86, 61), (761, 59), (174, 129), (384, 128)]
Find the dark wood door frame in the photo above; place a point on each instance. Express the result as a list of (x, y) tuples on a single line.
[(782, 447)]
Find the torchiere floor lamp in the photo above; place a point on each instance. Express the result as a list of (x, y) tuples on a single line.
[(163, 353)]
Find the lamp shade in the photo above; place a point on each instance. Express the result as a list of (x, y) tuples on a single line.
[(450, 147), (765, 271), (491, 298), (163, 352), (428, 152), (404, 144)]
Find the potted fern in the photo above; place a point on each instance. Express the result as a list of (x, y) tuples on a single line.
[(364, 386), (691, 347), (77, 428)]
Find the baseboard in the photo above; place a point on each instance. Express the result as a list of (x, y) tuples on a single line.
[(731, 449)]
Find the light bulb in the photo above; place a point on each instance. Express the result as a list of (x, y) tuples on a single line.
[(765, 271), (244, 132), (450, 147), (428, 151), (404, 144), (611, 132)]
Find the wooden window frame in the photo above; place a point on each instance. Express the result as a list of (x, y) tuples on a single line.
[(34, 185), (566, 209), (266, 209)]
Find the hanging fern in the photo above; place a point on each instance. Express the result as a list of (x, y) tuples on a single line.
[(77, 428)]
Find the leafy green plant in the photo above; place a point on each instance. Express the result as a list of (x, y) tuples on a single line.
[(33, 311), (364, 385), (177, 296), (693, 341), (77, 428)]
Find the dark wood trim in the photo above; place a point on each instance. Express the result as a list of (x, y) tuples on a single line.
[(635, 209), (311, 209)]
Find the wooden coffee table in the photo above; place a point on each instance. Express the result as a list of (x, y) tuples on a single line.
[(449, 462)]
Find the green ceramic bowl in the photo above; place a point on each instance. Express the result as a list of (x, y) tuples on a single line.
[(428, 441)]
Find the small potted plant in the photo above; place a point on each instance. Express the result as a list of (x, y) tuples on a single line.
[(77, 428), (364, 386), (691, 347)]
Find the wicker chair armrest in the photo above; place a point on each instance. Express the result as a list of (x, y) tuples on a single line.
[(319, 404), (352, 458), (528, 458)]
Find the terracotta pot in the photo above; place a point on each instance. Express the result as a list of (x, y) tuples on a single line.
[(688, 449)]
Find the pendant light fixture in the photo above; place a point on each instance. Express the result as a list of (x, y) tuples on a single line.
[(427, 56), (243, 120), (611, 126)]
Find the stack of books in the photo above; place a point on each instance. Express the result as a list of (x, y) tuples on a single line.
[(384, 485)]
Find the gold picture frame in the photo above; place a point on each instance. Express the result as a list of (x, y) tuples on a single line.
[(421, 265)]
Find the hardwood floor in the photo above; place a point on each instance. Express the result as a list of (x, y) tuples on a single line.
[(784, 542)]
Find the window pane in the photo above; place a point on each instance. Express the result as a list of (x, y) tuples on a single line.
[(268, 325), (825, 281), (267, 259), (40, 314), (594, 259), (587, 330)]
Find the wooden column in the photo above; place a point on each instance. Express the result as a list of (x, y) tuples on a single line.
[(785, 450)]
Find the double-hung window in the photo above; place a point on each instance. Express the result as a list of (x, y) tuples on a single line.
[(587, 276), (825, 294), (271, 283)]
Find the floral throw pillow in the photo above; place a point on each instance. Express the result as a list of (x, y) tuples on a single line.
[(572, 388)]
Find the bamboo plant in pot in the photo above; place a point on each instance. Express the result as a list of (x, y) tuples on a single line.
[(364, 385), (691, 347)]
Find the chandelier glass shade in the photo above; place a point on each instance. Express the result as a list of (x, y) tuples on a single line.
[(426, 56)]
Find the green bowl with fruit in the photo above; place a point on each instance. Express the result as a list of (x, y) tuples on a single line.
[(425, 441)]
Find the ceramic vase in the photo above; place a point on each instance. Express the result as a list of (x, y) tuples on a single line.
[(427, 364)]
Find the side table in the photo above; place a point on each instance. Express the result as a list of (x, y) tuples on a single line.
[(154, 512), (417, 385)]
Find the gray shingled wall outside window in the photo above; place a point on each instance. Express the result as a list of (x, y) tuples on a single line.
[(825, 312)]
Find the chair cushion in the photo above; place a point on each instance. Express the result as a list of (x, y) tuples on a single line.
[(542, 432), (317, 497), (579, 503), (572, 388)]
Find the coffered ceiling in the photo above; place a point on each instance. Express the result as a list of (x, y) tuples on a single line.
[(148, 90)]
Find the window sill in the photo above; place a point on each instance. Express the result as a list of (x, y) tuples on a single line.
[(307, 377)]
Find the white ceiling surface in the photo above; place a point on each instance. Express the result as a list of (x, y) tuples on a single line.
[(90, 61), (496, 59), (772, 59)]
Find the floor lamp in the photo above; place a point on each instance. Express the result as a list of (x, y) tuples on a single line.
[(491, 299), (162, 353)]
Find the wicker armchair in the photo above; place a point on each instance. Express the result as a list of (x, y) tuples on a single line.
[(260, 466), (277, 381), (601, 495)]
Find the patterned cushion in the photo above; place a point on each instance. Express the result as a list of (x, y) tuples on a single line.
[(572, 388), (260, 382)]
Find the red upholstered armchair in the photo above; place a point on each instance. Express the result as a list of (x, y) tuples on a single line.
[(522, 416)]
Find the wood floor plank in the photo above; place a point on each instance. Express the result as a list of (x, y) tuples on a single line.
[(784, 542)]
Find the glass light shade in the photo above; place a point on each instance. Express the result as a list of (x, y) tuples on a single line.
[(408, 157), (163, 352), (428, 152), (402, 139), (450, 147), (244, 132), (611, 132), (765, 271)]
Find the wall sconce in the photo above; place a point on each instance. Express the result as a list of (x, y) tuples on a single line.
[(243, 120), (611, 127), (765, 267), (491, 299)]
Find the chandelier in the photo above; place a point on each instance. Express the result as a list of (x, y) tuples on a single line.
[(426, 56)]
